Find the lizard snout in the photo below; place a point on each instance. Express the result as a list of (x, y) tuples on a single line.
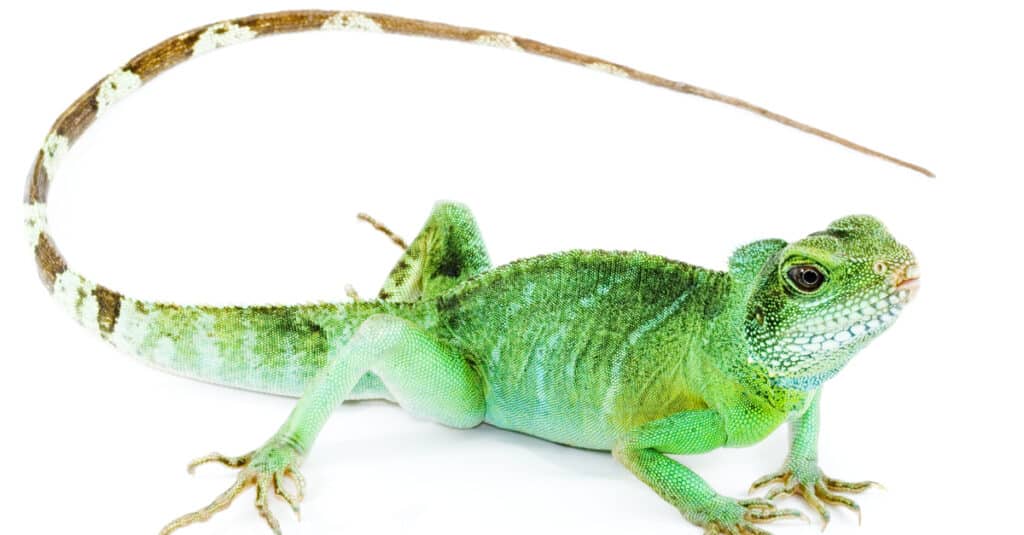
[(907, 282)]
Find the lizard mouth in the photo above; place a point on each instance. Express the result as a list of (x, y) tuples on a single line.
[(909, 280), (909, 284), (906, 290)]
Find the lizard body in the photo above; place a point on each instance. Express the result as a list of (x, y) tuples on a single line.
[(620, 351)]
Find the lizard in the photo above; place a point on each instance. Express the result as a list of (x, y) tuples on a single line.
[(625, 352)]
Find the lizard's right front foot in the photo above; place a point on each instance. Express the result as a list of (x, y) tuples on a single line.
[(803, 477), (265, 469), (726, 516)]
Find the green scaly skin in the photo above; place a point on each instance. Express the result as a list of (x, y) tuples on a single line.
[(625, 352)]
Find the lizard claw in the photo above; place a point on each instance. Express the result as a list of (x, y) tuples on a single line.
[(230, 462), (816, 491), (836, 485), (761, 510), (777, 477), (739, 517), (293, 500), (265, 469)]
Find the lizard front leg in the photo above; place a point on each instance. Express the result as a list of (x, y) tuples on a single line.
[(801, 475), (643, 453)]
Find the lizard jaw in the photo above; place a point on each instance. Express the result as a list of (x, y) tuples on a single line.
[(906, 289)]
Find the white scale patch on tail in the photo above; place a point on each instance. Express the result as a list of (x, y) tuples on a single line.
[(115, 87), (608, 68), (35, 222), (348, 20), (55, 146), (220, 35), (163, 353), (74, 293), (132, 333), (499, 40)]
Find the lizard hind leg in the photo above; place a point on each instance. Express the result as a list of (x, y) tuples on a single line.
[(427, 377), (447, 251)]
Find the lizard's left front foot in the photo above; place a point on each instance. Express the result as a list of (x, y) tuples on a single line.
[(807, 480), (264, 469)]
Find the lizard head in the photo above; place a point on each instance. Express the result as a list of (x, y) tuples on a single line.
[(815, 302)]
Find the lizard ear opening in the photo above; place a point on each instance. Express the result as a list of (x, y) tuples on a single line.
[(747, 261)]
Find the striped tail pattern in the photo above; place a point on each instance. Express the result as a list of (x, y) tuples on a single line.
[(273, 349)]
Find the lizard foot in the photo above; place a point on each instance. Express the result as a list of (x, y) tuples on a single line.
[(815, 488), (737, 517), (265, 469)]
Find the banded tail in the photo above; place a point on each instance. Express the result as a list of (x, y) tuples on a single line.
[(275, 349), (237, 336)]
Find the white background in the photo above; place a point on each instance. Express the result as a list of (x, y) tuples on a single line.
[(236, 177)]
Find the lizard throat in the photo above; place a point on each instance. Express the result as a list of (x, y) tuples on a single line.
[(812, 351)]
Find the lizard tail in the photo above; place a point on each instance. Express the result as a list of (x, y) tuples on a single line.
[(136, 325), (272, 349)]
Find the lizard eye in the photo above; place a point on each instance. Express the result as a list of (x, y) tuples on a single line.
[(806, 278)]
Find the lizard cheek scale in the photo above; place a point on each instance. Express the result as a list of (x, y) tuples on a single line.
[(626, 352)]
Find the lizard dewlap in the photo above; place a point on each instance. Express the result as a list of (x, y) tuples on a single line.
[(626, 352)]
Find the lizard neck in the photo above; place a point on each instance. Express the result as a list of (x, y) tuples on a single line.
[(731, 354)]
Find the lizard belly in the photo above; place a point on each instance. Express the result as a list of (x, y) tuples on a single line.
[(584, 391), (540, 394), (578, 404)]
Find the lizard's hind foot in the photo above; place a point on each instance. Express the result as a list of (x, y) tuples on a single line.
[(265, 469), (395, 238)]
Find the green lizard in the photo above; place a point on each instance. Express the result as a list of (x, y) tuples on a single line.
[(625, 352)]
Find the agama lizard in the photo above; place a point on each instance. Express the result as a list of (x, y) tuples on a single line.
[(625, 352)]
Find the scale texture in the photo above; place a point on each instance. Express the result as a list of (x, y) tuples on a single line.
[(625, 352)]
